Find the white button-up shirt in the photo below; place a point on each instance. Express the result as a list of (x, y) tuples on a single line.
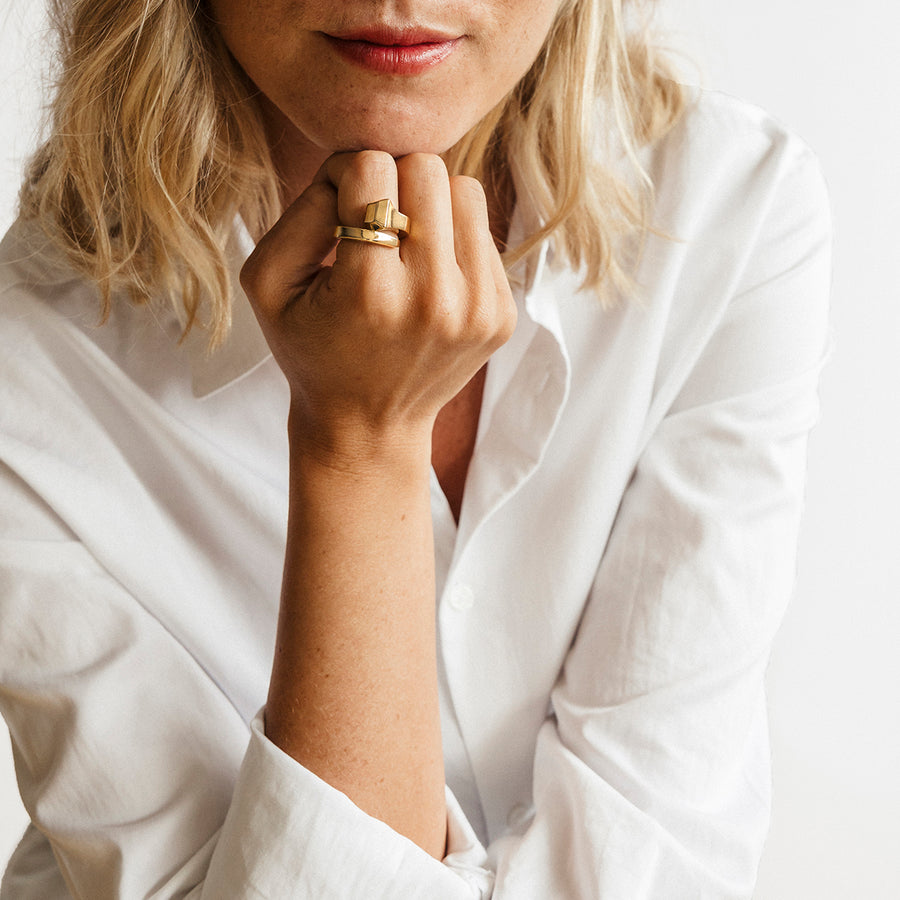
[(606, 604)]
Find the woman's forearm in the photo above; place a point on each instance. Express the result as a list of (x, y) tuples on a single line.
[(353, 694), (373, 346)]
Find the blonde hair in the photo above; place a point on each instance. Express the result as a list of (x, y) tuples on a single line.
[(156, 142)]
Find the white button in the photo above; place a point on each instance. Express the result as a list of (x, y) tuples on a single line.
[(462, 597)]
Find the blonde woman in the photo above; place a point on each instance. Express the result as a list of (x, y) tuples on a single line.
[(403, 410)]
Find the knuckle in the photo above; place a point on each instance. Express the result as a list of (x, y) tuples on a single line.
[(433, 307), (262, 282), (370, 164), (468, 188), (507, 323), (493, 316), (317, 200), (423, 167), (438, 311), (508, 316), (468, 198), (253, 271), (479, 325)]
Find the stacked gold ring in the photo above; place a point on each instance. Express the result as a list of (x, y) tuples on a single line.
[(383, 215), (386, 225), (348, 232)]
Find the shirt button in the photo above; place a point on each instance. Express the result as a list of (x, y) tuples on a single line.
[(462, 597)]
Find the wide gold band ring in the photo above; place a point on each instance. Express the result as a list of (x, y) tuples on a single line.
[(368, 235), (382, 215)]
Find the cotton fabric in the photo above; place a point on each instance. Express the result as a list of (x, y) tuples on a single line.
[(606, 604)]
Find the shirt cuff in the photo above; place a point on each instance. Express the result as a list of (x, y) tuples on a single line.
[(465, 854), (290, 834)]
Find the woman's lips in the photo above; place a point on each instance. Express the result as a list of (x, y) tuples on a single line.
[(391, 52)]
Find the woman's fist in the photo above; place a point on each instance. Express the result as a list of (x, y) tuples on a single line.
[(376, 343)]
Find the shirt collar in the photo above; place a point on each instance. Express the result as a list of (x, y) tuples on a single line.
[(245, 348), (533, 279)]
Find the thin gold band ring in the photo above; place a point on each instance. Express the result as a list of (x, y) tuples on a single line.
[(367, 235)]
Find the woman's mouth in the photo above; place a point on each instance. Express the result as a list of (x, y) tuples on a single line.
[(394, 51)]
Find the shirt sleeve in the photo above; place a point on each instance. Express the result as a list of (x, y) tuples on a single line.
[(125, 751)]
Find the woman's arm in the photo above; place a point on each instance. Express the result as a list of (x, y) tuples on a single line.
[(372, 347), (353, 695)]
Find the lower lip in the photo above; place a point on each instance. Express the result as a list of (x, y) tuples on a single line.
[(407, 59)]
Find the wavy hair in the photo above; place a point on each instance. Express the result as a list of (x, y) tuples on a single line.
[(156, 141)]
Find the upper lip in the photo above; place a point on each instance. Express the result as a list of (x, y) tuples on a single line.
[(394, 36)]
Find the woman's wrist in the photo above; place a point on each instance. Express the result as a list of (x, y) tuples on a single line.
[(349, 445)]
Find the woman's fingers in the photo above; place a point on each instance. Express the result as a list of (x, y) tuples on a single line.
[(271, 277), (360, 179), (491, 309), (290, 255), (368, 277)]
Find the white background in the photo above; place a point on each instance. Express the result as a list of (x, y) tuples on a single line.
[(829, 70)]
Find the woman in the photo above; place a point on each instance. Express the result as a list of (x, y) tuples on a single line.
[(541, 506)]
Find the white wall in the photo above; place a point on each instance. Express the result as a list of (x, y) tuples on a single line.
[(829, 70)]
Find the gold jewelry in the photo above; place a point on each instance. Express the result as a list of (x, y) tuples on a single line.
[(385, 226), (368, 235), (382, 215)]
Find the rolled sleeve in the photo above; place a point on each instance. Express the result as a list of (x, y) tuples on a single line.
[(290, 834)]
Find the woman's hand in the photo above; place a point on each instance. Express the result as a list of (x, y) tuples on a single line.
[(374, 345)]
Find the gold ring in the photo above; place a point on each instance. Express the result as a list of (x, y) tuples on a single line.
[(383, 215), (368, 235)]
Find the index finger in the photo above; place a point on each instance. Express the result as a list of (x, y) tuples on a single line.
[(291, 253)]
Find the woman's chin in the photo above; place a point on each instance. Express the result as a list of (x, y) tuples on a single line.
[(396, 145), (302, 138), (392, 130)]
